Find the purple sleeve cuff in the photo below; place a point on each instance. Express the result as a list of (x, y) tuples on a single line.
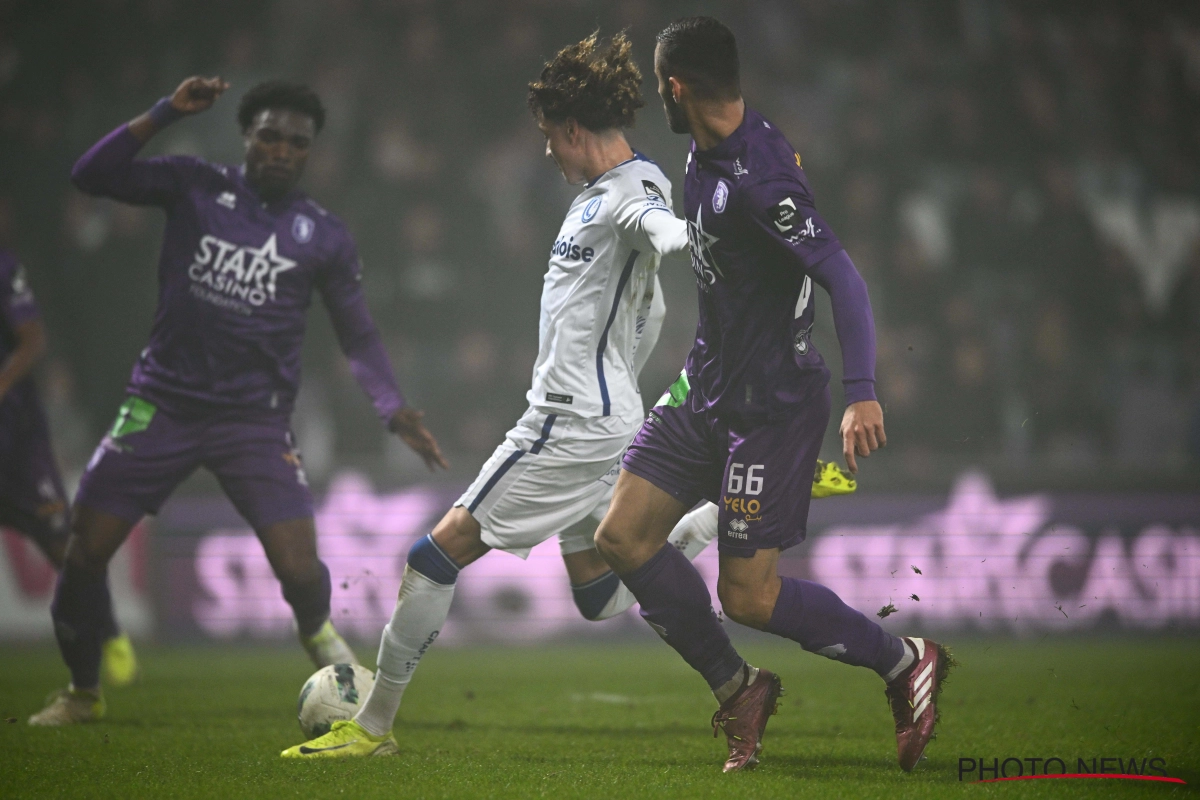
[(373, 371), (854, 321)]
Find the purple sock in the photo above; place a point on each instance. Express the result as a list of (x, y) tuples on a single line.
[(677, 605), (310, 601), (814, 616), (83, 620)]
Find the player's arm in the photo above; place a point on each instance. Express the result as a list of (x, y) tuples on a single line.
[(651, 329), (341, 290), (20, 313), (109, 168), (31, 346), (784, 211), (643, 217)]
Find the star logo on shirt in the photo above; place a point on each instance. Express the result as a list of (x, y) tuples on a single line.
[(703, 263), (266, 262)]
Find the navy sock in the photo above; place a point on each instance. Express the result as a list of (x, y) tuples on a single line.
[(814, 616), (83, 620), (427, 558), (593, 596), (310, 601), (677, 605)]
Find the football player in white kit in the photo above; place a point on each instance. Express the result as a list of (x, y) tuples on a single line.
[(600, 314)]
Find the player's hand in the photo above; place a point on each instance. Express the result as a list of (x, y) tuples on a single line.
[(406, 423), (862, 431), (197, 94)]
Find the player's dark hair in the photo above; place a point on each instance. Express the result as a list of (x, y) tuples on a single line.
[(702, 52), (283, 95), (599, 86)]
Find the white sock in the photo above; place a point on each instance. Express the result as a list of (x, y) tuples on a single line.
[(421, 611), (690, 536), (744, 676), (904, 663), (695, 531)]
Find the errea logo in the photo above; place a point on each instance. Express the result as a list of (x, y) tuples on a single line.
[(227, 199)]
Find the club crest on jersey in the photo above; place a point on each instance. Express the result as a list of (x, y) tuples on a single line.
[(720, 197), (232, 273), (591, 209), (302, 229)]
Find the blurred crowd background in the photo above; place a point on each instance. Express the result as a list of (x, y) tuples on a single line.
[(1019, 183)]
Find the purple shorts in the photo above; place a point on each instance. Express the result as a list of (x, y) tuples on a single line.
[(32, 499), (759, 476), (149, 452)]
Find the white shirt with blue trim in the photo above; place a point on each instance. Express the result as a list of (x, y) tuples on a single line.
[(598, 292)]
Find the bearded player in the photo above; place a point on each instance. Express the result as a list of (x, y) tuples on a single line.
[(600, 311), (743, 425), (243, 252), (32, 499)]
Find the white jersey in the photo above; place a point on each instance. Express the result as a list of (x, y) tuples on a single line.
[(598, 292)]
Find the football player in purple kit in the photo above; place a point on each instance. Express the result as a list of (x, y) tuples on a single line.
[(242, 253), (743, 425), (32, 499)]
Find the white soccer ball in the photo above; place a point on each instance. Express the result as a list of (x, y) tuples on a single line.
[(332, 693)]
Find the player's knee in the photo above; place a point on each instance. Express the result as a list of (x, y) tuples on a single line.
[(746, 605), (296, 568), (85, 553), (611, 543)]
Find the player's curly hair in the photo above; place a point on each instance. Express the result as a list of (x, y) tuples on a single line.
[(599, 86), (280, 94)]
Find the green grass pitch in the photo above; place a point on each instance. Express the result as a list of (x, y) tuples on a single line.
[(613, 720)]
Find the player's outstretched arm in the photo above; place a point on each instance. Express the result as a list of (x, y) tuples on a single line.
[(108, 169), (862, 425), (341, 290), (194, 95), (406, 423)]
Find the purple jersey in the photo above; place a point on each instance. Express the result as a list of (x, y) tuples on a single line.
[(757, 245), (17, 307), (236, 276)]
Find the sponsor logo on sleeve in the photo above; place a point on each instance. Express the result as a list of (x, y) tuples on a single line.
[(227, 199), (720, 197), (560, 398), (653, 192), (786, 219), (302, 229)]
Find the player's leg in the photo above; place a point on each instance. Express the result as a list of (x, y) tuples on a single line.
[(138, 464), (260, 470), (761, 514), (426, 592), (82, 614)]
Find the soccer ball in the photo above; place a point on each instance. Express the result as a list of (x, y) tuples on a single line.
[(332, 693)]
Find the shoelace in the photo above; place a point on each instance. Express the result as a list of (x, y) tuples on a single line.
[(719, 720)]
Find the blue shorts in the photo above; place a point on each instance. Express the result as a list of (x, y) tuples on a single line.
[(150, 451), (760, 476)]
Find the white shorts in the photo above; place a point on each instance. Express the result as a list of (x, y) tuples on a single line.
[(551, 472)]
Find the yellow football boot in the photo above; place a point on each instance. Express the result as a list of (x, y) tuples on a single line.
[(347, 739), (829, 480), (70, 706), (119, 664)]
